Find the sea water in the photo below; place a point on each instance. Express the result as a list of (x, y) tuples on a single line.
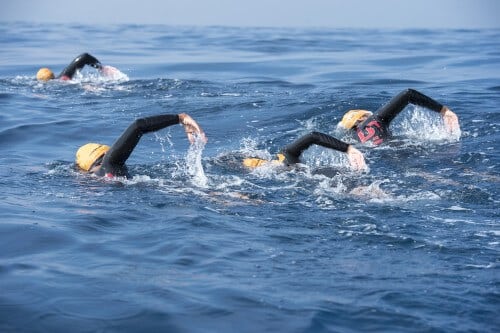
[(194, 242)]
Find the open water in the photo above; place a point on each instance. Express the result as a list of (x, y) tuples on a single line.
[(196, 243)]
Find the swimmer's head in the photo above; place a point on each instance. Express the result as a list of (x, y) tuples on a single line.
[(44, 74), (353, 117), (87, 155), (253, 163)]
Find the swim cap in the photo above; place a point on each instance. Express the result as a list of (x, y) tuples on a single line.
[(89, 153), (257, 162), (44, 74), (352, 117)]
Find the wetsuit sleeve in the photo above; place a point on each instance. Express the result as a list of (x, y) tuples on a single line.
[(293, 151), (120, 151), (409, 96), (78, 63)]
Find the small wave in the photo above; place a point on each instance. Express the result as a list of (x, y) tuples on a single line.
[(95, 308), (206, 94), (487, 266)]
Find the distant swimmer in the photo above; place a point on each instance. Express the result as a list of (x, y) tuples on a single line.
[(108, 161), (374, 127), (45, 74), (290, 155)]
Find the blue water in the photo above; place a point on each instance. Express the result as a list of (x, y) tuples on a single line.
[(195, 243)]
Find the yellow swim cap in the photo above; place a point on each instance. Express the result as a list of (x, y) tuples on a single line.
[(257, 162), (351, 118), (89, 153), (44, 74)]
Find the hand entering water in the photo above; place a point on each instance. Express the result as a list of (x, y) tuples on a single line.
[(450, 120), (192, 128), (109, 71), (356, 159)]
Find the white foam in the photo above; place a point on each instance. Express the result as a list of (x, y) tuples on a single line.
[(458, 208), (108, 74), (194, 165), (489, 265)]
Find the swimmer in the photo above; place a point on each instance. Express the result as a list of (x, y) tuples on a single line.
[(374, 127), (290, 155), (108, 161), (45, 74)]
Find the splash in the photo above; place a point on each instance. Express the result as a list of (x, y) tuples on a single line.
[(248, 147), (194, 166), (108, 75), (372, 192), (424, 126), (111, 73), (319, 158), (164, 141)]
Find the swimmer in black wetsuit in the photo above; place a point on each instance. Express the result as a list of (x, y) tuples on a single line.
[(290, 155), (108, 161), (374, 127), (45, 74)]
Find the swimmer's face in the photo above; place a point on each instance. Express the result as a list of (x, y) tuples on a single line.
[(96, 166), (361, 120), (95, 169)]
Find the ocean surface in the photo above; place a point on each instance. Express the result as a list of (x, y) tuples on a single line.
[(194, 242)]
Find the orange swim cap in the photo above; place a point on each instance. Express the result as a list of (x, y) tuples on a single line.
[(253, 163), (88, 154), (44, 74), (352, 117)]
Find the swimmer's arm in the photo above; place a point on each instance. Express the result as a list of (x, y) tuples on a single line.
[(78, 63), (122, 148), (295, 149), (155, 123), (411, 96), (397, 104)]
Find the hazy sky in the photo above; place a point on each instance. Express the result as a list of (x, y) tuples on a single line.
[(262, 13)]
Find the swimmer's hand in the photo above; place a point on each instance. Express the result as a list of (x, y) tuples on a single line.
[(192, 128), (109, 71), (450, 120), (356, 159)]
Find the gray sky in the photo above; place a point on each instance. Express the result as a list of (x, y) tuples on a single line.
[(262, 13)]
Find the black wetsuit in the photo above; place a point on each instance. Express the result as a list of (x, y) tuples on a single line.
[(77, 64), (113, 162), (293, 151), (376, 127)]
